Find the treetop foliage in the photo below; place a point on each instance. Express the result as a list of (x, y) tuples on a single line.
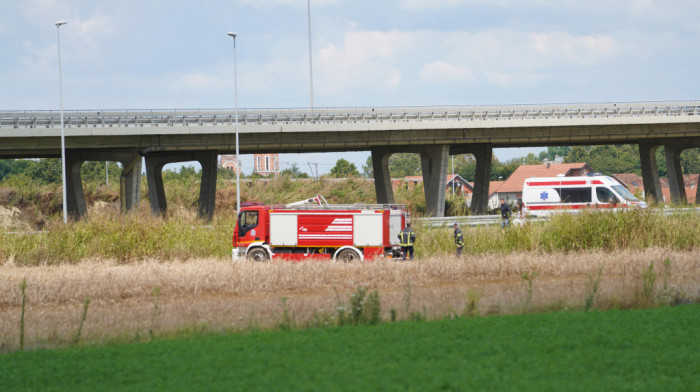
[(606, 159), (344, 168)]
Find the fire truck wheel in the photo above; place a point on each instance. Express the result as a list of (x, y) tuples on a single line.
[(348, 256), (258, 254)]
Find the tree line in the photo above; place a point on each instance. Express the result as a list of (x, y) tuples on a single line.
[(48, 170), (606, 159)]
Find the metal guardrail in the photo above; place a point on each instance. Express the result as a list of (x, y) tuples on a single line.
[(485, 220), (471, 220), (213, 117)]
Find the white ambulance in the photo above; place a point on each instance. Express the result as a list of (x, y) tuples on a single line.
[(544, 195)]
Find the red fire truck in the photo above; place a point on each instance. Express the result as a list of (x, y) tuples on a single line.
[(300, 230)]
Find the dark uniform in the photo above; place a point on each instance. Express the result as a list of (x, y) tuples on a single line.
[(407, 237), (459, 240), (505, 214)]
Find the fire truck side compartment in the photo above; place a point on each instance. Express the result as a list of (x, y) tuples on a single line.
[(283, 229), (368, 230)]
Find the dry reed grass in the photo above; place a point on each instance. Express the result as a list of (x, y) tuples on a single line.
[(140, 300)]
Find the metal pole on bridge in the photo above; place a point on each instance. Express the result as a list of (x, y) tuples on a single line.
[(238, 159), (63, 136), (311, 68)]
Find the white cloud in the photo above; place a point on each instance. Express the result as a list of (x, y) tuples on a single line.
[(439, 72), (382, 61), (673, 14), (294, 3), (366, 60), (431, 4), (201, 81), (515, 79), (583, 50), (95, 26)]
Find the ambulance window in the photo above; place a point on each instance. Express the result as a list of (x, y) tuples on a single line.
[(575, 195), (622, 191), (605, 195)]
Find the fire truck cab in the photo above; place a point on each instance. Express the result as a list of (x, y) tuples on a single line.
[(301, 231)]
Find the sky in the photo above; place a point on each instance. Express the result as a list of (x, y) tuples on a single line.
[(128, 54)]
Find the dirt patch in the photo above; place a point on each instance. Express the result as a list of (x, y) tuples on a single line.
[(12, 219)]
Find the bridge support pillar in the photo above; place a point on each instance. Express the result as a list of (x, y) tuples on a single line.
[(650, 173), (434, 165), (382, 177), (75, 197), (130, 179), (482, 178), (675, 173), (207, 188)]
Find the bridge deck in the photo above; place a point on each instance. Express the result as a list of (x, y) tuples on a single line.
[(200, 117)]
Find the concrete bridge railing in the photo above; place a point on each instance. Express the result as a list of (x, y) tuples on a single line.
[(204, 117), (163, 136)]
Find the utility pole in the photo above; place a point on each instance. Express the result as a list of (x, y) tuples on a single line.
[(63, 132), (311, 68)]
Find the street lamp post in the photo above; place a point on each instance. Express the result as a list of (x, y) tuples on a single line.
[(238, 159), (311, 68), (63, 136)]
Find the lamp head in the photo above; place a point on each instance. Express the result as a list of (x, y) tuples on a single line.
[(232, 34), (60, 23)]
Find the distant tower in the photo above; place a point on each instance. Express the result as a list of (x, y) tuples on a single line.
[(266, 165), (228, 162)]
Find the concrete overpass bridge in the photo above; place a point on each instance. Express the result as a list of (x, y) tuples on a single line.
[(435, 132)]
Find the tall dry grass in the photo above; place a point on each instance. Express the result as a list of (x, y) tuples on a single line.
[(588, 230), (124, 238), (181, 236), (143, 299)]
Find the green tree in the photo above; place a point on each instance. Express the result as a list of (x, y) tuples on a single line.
[(690, 161), (577, 154), (529, 159), (400, 165), (225, 173), (404, 164), (343, 168), (500, 171), (367, 168), (465, 166), (294, 172), (96, 172), (45, 170), (9, 167), (553, 152)]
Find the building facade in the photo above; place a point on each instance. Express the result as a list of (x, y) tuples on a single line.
[(228, 162), (266, 165)]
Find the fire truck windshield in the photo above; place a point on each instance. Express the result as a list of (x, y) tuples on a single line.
[(246, 221)]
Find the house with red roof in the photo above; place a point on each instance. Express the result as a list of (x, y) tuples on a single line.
[(691, 188), (512, 189), (635, 184), (632, 182)]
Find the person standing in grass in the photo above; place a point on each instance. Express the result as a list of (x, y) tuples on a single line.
[(407, 237), (459, 239), (506, 213)]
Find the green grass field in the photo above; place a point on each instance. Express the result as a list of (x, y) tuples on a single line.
[(653, 349)]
